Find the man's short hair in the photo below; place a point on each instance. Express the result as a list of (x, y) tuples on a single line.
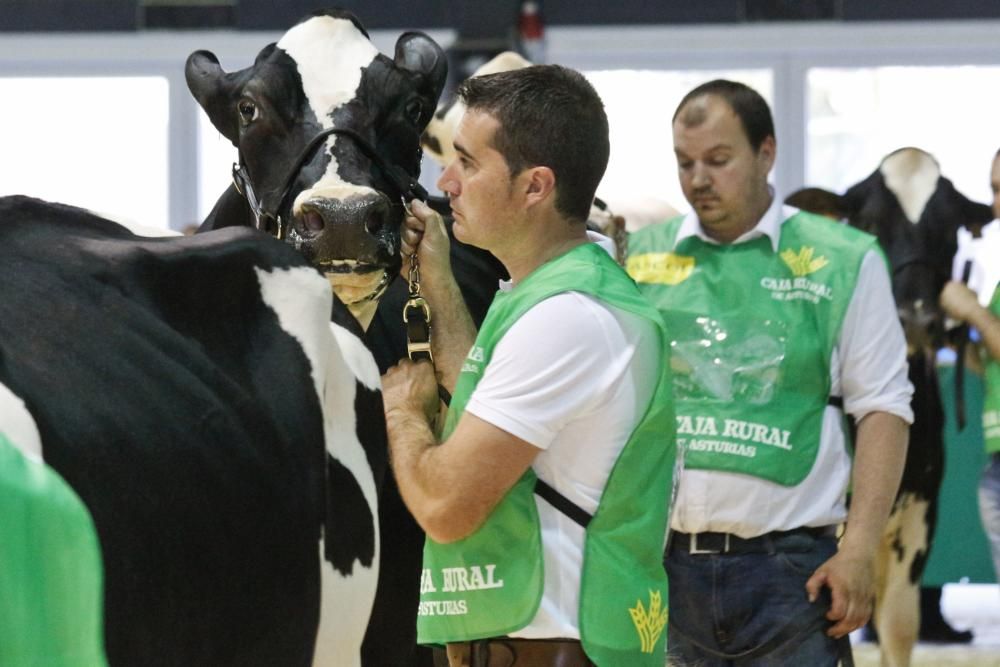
[(746, 103), (549, 116)]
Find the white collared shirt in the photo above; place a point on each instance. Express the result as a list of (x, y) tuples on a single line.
[(868, 368)]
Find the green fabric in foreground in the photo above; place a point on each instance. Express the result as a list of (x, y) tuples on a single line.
[(960, 549), (51, 581)]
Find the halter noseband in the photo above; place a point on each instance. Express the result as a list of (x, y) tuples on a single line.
[(270, 221)]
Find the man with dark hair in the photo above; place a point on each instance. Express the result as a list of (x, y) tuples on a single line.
[(545, 497), (780, 322)]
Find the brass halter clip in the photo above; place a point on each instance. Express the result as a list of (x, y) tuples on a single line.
[(416, 313)]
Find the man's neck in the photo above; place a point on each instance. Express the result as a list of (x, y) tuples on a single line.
[(550, 238)]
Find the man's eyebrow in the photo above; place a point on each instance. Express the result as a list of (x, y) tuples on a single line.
[(713, 149), (459, 148)]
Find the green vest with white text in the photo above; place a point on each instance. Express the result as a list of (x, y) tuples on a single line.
[(991, 400), (51, 576), (490, 583), (752, 332)]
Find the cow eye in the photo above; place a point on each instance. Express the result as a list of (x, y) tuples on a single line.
[(248, 111), (413, 111)]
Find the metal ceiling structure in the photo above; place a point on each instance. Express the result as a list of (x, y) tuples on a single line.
[(466, 16)]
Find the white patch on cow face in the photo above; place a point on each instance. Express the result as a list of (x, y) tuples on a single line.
[(330, 54), (911, 174), (18, 426), (302, 301)]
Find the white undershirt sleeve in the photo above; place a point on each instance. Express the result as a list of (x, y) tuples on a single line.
[(548, 369), (872, 348)]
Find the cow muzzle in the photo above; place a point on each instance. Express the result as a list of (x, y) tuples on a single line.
[(350, 233), (339, 225)]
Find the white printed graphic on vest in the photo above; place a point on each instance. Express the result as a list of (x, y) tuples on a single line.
[(451, 580), (991, 424), (733, 437), (476, 355), (802, 263)]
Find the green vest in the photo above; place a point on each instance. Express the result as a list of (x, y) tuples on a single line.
[(752, 332), (50, 569), (490, 583), (991, 401)]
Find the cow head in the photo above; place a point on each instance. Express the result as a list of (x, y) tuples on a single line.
[(915, 213), (336, 197)]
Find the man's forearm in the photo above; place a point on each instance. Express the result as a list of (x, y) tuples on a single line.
[(879, 456), (411, 446), (453, 331)]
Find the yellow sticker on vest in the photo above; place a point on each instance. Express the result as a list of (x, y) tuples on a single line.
[(660, 267), (802, 262), (649, 624)]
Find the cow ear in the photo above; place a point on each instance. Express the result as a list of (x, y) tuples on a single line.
[(213, 90), (418, 53)]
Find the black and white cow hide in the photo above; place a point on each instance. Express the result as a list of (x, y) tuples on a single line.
[(343, 215), (915, 213), (225, 436), (341, 210)]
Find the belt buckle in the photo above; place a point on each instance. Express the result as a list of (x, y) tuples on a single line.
[(693, 546)]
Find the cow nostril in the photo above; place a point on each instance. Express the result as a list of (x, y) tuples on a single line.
[(373, 222), (313, 221)]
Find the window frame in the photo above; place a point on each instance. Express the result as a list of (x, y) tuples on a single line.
[(788, 49)]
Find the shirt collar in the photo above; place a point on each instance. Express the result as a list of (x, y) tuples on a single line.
[(769, 225)]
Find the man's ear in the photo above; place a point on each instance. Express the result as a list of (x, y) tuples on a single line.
[(767, 152), (539, 184)]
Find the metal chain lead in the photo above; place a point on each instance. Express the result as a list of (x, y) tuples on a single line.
[(416, 312)]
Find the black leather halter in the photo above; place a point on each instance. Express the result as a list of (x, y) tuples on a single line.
[(269, 220)]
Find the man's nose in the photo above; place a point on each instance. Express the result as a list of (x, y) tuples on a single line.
[(699, 176), (447, 183)]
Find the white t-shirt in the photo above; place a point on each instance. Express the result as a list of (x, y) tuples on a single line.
[(984, 253), (570, 377), (868, 369)]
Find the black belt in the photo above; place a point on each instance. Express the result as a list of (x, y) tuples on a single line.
[(727, 543)]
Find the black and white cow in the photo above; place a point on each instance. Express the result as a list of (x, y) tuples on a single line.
[(915, 213), (336, 201), (339, 207), (225, 436)]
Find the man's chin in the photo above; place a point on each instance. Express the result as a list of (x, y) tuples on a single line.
[(709, 216)]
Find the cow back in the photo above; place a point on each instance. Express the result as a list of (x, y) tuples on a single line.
[(186, 416)]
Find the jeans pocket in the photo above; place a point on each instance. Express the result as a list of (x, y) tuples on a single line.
[(803, 562)]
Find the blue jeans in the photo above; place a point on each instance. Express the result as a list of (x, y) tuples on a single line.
[(989, 506), (735, 602)]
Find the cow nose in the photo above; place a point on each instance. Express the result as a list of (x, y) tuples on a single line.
[(319, 216)]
